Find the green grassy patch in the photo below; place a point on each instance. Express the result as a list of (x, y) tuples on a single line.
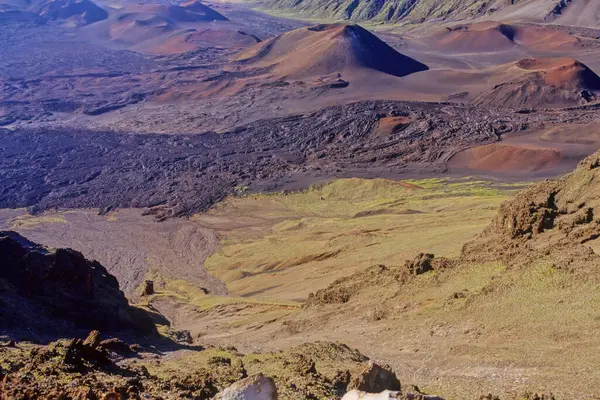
[(283, 246)]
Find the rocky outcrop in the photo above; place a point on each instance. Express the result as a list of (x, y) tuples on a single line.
[(78, 369), (82, 354), (346, 288), (376, 378), (148, 288), (555, 220), (52, 291), (421, 264), (118, 346), (343, 289)]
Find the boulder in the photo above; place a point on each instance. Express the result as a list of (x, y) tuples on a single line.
[(182, 336), (148, 288), (81, 354), (359, 395), (421, 264), (375, 379), (255, 387), (116, 345), (387, 395), (92, 340)]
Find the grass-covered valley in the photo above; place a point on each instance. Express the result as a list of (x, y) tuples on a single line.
[(262, 200), (333, 263)]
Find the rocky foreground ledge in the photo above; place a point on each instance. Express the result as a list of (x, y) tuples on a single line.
[(111, 369), (51, 293)]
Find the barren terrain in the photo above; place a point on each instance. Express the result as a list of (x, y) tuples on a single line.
[(260, 192), (175, 175)]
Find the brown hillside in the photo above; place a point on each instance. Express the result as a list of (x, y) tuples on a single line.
[(165, 27), (326, 49), (136, 27), (494, 36), (78, 12), (193, 11), (564, 72), (190, 39), (544, 82), (201, 10)]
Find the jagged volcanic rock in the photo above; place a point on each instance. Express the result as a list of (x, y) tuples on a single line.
[(54, 290), (555, 220)]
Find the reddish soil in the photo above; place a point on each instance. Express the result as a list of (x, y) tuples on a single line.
[(540, 38), (168, 29), (493, 36), (507, 158), (543, 152), (74, 12), (488, 36), (564, 72), (133, 27), (191, 39), (193, 11), (542, 82), (327, 49), (389, 125)]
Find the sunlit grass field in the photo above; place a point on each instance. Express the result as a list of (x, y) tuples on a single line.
[(284, 246)]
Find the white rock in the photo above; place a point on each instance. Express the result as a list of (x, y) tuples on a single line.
[(255, 387), (358, 395), (387, 395)]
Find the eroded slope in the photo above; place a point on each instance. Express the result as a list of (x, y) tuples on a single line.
[(554, 220), (417, 10)]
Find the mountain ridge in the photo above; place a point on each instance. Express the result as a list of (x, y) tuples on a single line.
[(417, 10)]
